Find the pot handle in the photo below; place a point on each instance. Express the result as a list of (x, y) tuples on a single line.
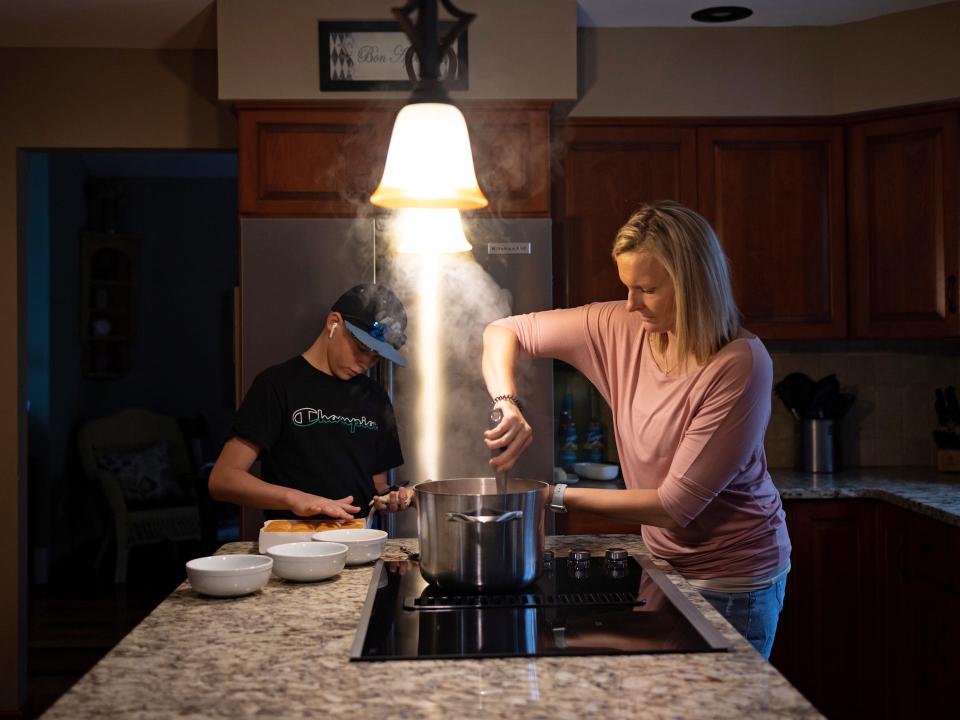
[(483, 519)]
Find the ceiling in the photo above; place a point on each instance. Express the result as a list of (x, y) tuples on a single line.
[(676, 13), (192, 23)]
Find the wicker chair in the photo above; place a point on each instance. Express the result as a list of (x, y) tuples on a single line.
[(131, 429)]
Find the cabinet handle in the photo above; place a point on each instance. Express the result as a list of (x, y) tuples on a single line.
[(952, 293)]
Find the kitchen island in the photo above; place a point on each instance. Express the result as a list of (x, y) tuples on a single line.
[(283, 652)]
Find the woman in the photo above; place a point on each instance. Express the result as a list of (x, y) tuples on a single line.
[(690, 393)]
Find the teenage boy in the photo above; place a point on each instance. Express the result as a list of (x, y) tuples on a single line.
[(325, 433)]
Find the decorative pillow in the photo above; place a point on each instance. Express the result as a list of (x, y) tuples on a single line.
[(144, 474)]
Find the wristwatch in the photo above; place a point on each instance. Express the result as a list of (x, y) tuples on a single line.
[(556, 501)]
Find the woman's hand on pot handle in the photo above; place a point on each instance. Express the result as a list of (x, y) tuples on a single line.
[(511, 436)]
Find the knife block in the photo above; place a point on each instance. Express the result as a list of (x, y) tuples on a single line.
[(948, 460)]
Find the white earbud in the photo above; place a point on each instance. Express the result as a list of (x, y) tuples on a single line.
[(333, 327)]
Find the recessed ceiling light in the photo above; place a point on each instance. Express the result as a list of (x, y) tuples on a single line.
[(722, 14)]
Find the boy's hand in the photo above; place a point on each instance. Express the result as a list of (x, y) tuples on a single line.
[(396, 500), (305, 505)]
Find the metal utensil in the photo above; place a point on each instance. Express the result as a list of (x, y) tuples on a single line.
[(823, 397), (795, 391), (841, 405), (496, 415)]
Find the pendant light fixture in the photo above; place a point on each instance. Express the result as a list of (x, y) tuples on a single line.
[(429, 160)]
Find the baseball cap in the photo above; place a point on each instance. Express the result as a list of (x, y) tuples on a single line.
[(375, 317)]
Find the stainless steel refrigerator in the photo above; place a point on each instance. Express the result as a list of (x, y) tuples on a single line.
[(292, 270)]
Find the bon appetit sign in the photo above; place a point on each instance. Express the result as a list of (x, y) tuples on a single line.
[(374, 55)]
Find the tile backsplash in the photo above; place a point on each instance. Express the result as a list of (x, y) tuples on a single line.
[(890, 423), (893, 417)]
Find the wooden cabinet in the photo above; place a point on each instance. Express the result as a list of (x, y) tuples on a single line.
[(869, 626), (511, 154), (310, 162), (825, 642), (609, 170), (775, 197), (927, 613), (324, 159), (835, 227), (893, 682), (904, 235)]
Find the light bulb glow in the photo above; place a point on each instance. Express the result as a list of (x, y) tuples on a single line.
[(429, 161), (429, 405), (426, 232)]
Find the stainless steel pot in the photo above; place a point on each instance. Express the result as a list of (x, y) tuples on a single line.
[(473, 538)]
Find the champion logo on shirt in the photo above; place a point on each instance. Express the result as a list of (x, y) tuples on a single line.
[(305, 417)]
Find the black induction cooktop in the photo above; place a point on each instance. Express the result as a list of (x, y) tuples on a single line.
[(602, 605)]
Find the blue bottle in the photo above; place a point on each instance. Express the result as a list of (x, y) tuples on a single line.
[(568, 433), (593, 445)]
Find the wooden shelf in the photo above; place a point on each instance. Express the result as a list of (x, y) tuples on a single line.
[(108, 282)]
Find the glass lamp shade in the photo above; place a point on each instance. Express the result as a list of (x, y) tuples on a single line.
[(425, 231), (429, 162)]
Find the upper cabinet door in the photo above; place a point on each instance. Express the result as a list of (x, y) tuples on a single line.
[(775, 197), (511, 155), (325, 160), (903, 227), (610, 170), (310, 162)]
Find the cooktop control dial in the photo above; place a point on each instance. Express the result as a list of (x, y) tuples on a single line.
[(616, 565), (578, 563), (617, 555)]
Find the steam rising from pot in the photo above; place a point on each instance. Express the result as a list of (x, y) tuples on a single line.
[(451, 299)]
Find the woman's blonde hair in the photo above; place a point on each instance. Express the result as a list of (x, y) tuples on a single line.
[(706, 314)]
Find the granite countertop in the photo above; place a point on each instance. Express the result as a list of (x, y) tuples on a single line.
[(921, 489), (283, 652)]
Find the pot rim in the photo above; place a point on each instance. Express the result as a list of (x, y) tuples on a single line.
[(431, 487)]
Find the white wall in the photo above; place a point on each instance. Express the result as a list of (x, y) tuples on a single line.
[(518, 49), (901, 59)]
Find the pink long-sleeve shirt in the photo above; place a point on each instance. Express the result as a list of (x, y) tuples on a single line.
[(696, 438)]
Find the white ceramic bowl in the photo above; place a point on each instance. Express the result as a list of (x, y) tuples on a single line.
[(229, 575), (307, 561), (363, 546), (596, 471)]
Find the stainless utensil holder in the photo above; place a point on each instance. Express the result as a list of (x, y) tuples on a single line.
[(819, 445)]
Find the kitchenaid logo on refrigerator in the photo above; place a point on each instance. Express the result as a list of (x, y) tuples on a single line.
[(305, 417), (509, 248)]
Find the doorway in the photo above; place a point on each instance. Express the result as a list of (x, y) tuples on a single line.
[(131, 265)]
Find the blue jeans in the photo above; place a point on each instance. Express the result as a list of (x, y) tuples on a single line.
[(753, 614)]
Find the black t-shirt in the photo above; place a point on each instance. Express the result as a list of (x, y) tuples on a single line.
[(318, 433)]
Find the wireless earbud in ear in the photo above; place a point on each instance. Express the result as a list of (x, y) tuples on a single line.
[(333, 327)]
